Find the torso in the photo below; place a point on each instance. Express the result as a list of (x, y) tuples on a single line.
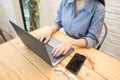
[(76, 21)]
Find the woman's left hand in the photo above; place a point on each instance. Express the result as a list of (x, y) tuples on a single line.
[(61, 48)]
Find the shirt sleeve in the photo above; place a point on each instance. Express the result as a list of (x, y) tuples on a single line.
[(58, 20), (92, 36)]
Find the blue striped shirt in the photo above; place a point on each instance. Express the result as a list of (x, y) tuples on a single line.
[(87, 23)]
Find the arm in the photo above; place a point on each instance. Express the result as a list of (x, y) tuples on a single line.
[(45, 37), (52, 29), (63, 47), (92, 36), (89, 40), (79, 42)]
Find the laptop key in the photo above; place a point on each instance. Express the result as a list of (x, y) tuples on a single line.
[(49, 49)]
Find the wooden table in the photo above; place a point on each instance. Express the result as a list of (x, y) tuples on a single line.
[(17, 62)]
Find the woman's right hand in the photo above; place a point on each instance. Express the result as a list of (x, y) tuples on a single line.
[(45, 37)]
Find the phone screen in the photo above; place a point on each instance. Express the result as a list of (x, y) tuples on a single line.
[(76, 63)]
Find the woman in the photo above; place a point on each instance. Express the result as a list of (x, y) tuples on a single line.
[(82, 20)]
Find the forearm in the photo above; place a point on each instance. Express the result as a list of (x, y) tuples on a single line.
[(73, 42), (52, 29), (79, 42)]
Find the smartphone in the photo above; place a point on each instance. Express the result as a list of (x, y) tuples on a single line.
[(76, 63)]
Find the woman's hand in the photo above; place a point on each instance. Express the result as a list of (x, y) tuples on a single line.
[(61, 48), (45, 37)]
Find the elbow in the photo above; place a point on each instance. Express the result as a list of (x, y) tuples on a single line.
[(91, 42)]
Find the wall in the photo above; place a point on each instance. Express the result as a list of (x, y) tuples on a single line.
[(48, 10), (111, 45), (10, 10), (17, 11)]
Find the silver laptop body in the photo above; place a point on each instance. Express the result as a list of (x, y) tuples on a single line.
[(38, 47)]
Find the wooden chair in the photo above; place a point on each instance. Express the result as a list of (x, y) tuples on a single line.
[(103, 38), (1, 33)]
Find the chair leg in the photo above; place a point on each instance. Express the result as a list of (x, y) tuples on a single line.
[(3, 35)]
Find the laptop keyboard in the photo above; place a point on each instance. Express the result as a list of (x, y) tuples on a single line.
[(49, 49)]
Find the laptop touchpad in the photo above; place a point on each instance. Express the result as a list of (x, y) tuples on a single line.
[(53, 42)]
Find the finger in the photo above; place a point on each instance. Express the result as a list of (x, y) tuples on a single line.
[(59, 52), (42, 38), (65, 52), (53, 50), (38, 37), (56, 53), (56, 50), (46, 40)]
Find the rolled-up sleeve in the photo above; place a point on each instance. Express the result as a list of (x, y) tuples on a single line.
[(92, 36)]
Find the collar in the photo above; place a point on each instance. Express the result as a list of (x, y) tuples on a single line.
[(89, 5), (70, 1)]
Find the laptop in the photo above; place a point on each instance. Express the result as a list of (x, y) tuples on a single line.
[(38, 47)]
